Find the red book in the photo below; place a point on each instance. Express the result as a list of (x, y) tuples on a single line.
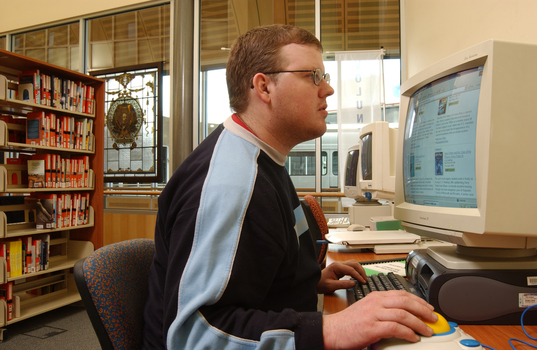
[(27, 244), (35, 128), (3, 253), (82, 170), (6, 293), (36, 258), (66, 132), (52, 129)]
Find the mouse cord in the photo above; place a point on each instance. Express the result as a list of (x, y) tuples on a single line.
[(518, 340), (524, 329)]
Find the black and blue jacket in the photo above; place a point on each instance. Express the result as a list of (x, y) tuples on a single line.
[(235, 266)]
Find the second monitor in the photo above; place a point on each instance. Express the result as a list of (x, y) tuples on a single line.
[(370, 172)]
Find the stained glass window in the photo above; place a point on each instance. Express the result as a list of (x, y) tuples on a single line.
[(133, 124)]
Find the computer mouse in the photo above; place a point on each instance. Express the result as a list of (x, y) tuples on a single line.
[(355, 227), (440, 326), (446, 336)]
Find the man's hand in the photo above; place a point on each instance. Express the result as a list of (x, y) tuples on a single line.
[(378, 315), (330, 277)]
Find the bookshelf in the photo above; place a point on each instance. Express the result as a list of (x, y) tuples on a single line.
[(67, 244)]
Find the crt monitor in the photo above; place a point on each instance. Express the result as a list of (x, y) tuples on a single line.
[(378, 144), (465, 166)]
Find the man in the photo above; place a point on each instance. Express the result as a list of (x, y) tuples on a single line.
[(234, 268)]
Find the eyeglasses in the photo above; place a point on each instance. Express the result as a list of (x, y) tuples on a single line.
[(317, 74)]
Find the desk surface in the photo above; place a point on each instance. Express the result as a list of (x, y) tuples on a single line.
[(493, 336)]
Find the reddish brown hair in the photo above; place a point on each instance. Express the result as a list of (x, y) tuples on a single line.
[(257, 51)]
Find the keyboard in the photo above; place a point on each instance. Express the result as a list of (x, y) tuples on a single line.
[(380, 282)]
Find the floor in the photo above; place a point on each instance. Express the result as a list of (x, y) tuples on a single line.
[(68, 327)]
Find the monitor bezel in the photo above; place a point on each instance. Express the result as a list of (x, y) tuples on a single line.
[(455, 220)]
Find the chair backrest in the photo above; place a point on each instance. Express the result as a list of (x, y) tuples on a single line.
[(318, 226), (113, 284)]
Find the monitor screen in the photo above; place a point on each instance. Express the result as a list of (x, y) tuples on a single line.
[(351, 167), (367, 157), (440, 139)]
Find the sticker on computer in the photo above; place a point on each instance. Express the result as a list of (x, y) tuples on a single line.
[(532, 280), (527, 299)]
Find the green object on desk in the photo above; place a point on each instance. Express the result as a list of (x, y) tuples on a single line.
[(392, 225)]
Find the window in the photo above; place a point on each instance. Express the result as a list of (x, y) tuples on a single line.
[(3, 43), (360, 25), (57, 45), (334, 163), (129, 38), (133, 125), (300, 165)]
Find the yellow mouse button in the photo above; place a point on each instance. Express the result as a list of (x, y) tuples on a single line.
[(440, 326)]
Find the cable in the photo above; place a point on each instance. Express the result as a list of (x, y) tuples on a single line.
[(522, 322), (524, 329), (518, 340)]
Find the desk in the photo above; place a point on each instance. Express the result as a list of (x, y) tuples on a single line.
[(493, 336)]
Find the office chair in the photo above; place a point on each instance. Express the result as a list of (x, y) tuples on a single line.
[(113, 284), (318, 226)]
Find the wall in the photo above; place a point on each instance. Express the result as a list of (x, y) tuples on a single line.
[(434, 29), (120, 226), (16, 14)]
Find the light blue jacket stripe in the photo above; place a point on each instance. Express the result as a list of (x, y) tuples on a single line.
[(203, 336), (301, 225), (230, 180)]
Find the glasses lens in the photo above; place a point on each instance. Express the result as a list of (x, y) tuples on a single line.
[(317, 76), (327, 77)]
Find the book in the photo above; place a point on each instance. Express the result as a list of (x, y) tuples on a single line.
[(4, 256), (36, 258), (36, 173), (55, 92), (6, 293), (27, 245), (35, 128), (51, 130), (46, 211), (81, 170), (75, 208), (15, 257), (7, 258), (47, 159), (44, 250)]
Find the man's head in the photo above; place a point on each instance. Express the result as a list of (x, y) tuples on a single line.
[(257, 51)]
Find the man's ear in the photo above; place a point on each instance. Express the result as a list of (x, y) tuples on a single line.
[(260, 84)]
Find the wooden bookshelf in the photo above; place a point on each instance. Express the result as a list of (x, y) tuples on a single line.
[(67, 244)]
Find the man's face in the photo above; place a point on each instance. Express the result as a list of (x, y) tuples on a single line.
[(299, 106)]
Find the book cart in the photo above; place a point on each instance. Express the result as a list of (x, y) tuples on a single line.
[(53, 287)]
